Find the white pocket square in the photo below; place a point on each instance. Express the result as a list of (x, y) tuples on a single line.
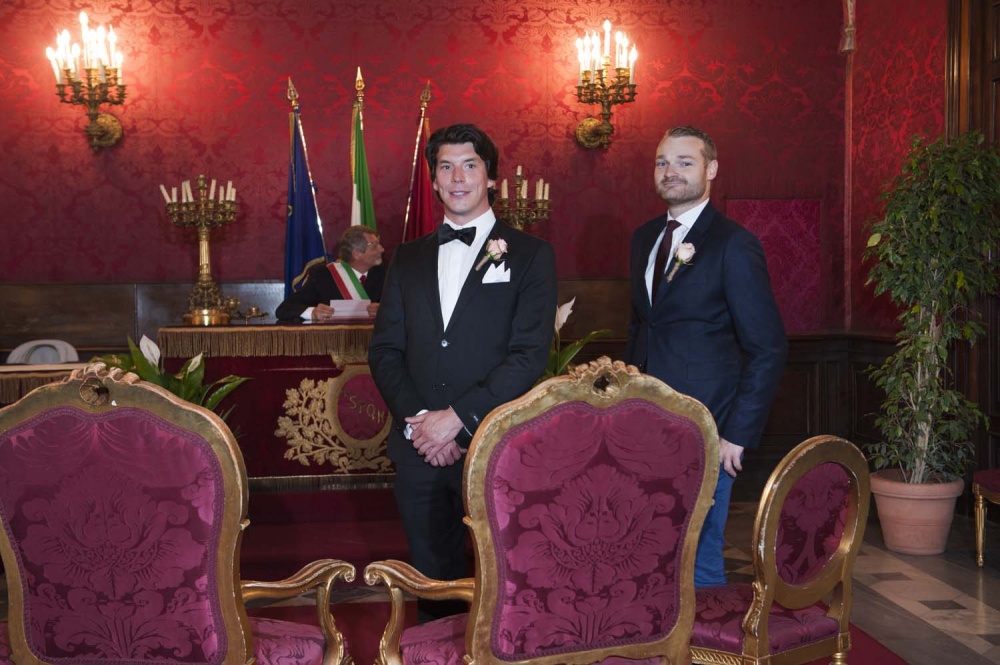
[(496, 274)]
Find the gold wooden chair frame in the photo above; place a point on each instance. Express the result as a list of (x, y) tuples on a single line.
[(835, 577), (600, 384), (982, 494), (95, 389)]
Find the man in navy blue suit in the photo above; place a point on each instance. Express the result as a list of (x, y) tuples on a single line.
[(704, 319)]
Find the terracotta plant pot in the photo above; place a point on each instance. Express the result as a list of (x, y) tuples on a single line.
[(915, 518)]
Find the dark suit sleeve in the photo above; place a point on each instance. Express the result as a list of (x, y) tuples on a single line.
[(761, 336), (528, 346), (310, 294), (387, 351)]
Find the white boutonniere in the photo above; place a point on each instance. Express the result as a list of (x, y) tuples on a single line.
[(495, 248), (685, 252)]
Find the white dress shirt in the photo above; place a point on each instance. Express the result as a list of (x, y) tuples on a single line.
[(455, 260), (686, 221)]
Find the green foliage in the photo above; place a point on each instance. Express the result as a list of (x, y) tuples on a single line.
[(931, 252), (560, 356), (188, 383)]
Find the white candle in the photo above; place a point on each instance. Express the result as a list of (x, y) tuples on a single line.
[(211, 191), (538, 190), (51, 55), (607, 37), (518, 169), (524, 189), (173, 195), (166, 197), (632, 56), (222, 194), (230, 192), (545, 194), (503, 188)]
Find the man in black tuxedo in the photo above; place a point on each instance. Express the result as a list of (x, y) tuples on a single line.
[(465, 324), (358, 274), (704, 319)]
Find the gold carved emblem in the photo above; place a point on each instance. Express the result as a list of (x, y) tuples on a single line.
[(341, 422)]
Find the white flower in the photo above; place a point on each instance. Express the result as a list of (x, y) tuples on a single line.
[(150, 350), (194, 362), (563, 312), (685, 252)]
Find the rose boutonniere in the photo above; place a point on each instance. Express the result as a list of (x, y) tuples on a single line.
[(685, 252), (495, 248)]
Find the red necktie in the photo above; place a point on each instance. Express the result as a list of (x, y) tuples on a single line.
[(364, 278), (663, 255)]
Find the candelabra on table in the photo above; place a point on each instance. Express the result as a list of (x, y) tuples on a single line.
[(522, 210), (207, 307)]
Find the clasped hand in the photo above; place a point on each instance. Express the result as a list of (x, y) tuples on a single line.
[(433, 436)]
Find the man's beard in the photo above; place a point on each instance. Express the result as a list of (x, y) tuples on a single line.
[(688, 193)]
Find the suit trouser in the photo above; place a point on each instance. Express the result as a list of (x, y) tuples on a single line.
[(709, 564), (430, 504)]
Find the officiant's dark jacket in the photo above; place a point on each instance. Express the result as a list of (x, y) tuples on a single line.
[(494, 349), (714, 332), (320, 287)]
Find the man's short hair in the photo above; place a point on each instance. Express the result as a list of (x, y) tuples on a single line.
[(709, 151), (354, 238), (465, 133)]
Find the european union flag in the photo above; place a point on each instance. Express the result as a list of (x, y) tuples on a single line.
[(304, 231)]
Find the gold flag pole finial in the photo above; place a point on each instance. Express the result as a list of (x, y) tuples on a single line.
[(293, 94), (425, 97), (359, 85)]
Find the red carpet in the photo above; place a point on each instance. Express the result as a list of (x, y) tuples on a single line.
[(363, 624)]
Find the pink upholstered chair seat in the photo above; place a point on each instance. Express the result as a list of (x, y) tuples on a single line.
[(720, 611), (275, 643), (442, 642)]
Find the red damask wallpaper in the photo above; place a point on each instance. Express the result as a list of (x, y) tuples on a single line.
[(899, 92), (206, 94)]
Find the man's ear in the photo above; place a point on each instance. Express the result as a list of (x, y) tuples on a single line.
[(712, 170)]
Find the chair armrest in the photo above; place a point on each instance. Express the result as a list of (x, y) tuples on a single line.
[(319, 575), (398, 574), (398, 577)]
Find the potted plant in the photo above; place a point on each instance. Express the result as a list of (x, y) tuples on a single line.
[(931, 252)]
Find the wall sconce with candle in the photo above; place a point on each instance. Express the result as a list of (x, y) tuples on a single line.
[(90, 76), (596, 85)]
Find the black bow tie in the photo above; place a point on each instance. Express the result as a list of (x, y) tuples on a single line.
[(447, 233)]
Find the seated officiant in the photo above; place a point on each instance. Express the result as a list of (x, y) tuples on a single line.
[(357, 275)]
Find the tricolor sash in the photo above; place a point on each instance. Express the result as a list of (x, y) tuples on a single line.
[(347, 281)]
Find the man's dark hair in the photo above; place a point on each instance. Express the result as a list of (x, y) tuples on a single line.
[(355, 237), (709, 152), (465, 133)]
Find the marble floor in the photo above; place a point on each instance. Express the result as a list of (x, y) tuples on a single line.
[(930, 610)]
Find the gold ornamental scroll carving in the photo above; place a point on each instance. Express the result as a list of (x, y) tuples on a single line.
[(341, 423)]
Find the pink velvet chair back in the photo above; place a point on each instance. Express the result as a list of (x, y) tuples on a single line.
[(586, 499), (114, 501)]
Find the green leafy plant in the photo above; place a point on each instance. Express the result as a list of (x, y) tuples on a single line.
[(931, 252), (188, 383), (559, 356)]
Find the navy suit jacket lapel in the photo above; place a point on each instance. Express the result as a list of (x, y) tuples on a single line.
[(474, 280), (695, 236)]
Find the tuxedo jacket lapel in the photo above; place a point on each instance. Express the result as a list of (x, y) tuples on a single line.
[(474, 280), (428, 276)]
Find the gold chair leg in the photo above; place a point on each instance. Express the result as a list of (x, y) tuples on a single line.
[(839, 658), (980, 522)]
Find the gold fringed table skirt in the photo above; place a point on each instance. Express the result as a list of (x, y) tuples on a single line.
[(345, 341), (16, 381)]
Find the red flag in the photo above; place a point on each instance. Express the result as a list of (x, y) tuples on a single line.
[(421, 219)]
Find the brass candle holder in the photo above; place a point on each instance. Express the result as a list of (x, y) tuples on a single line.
[(597, 86), (522, 210), (208, 211)]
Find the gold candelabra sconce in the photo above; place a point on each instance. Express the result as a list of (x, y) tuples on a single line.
[(208, 211), (522, 210), (601, 83), (90, 76)]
